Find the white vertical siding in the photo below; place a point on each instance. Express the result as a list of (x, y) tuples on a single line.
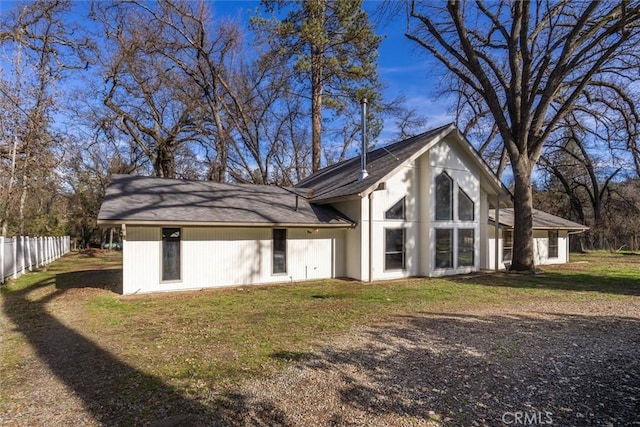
[(403, 184), (484, 230), (540, 248), (141, 259), (356, 210), (213, 257)]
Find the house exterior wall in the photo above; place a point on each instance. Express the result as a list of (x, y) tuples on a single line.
[(406, 183), (216, 257), (447, 157), (416, 182), (355, 238), (540, 248)]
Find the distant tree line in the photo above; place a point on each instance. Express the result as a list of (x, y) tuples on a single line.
[(170, 89), (547, 91)]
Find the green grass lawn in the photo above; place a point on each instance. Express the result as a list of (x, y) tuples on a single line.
[(212, 339)]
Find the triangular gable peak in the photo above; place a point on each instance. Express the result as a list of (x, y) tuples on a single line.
[(340, 181)]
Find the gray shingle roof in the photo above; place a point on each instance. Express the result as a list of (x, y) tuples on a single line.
[(341, 179), (541, 220), (144, 200)]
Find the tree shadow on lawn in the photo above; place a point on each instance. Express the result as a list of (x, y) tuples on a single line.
[(473, 370), (109, 279), (582, 282), (114, 393)]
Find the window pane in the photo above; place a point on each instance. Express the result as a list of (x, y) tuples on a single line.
[(465, 206), (444, 187), (444, 248), (170, 254), (507, 245), (279, 250), (394, 251), (553, 244), (396, 211), (465, 247)]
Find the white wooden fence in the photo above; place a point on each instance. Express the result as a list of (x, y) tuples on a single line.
[(20, 254)]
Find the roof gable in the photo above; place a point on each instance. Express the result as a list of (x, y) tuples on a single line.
[(340, 181)]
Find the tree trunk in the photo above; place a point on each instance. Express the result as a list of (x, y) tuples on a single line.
[(523, 222), (316, 106)]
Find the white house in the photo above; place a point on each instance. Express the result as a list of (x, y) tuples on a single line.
[(550, 237), (423, 210)]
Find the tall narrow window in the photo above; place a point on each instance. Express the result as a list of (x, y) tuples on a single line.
[(279, 251), (394, 252), (170, 254), (465, 247), (396, 211), (444, 193), (553, 244), (444, 248), (507, 245), (465, 206)]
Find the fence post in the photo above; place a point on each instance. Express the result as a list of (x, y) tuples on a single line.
[(22, 255), (15, 257), (29, 251), (37, 238)]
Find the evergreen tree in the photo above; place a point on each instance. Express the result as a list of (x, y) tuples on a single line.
[(332, 50)]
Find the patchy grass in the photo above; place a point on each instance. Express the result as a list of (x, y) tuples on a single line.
[(203, 342)]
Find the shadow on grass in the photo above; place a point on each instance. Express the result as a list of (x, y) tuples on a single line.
[(471, 370), (591, 282), (110, 280), (113, 392)]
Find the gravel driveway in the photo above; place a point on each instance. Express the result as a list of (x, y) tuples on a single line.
[(569, 363)]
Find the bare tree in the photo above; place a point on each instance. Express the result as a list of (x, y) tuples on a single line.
[(153, 103), (529, 64), (40, 48)]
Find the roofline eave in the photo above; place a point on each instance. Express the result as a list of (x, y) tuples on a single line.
[(580, 229), (119, 222)]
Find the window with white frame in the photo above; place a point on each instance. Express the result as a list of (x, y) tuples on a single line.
[(397, 211), (394, 248), (444, 197), (444, 248), (465, 206), (507, 245), (553, 243), (466, 247)]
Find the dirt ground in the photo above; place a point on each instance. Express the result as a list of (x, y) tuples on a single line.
[(566, 363)]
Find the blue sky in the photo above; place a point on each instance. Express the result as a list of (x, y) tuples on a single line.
[(403, 68)]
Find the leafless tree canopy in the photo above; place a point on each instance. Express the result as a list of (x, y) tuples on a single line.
[(522, 67)]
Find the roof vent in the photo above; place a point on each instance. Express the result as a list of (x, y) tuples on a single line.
[(363, 155)]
